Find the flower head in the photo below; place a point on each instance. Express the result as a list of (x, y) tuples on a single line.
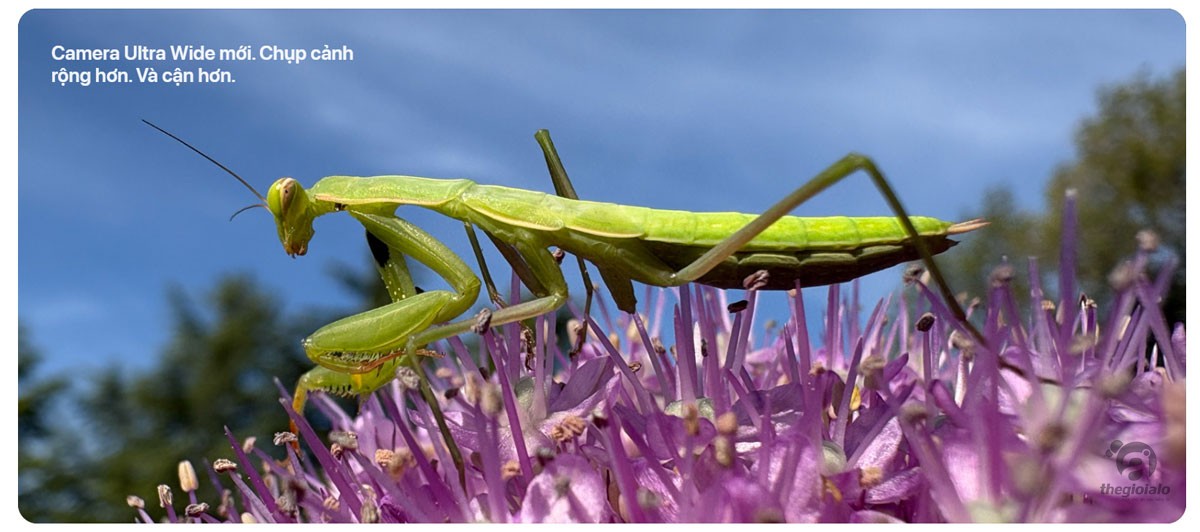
[(1047, 415)]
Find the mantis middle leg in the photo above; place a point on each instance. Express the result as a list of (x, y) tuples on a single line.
[(620, 287), (550, 290)]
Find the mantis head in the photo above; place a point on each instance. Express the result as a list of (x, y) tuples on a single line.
[(292, 209)]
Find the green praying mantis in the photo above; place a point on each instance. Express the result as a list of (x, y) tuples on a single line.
[(358, 354)]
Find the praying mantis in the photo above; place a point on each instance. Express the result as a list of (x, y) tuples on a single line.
[(359, 354)]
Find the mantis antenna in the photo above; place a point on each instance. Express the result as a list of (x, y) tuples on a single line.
[(246, 208), (221, 166)]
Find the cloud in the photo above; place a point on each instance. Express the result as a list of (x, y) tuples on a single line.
[(59, 311)]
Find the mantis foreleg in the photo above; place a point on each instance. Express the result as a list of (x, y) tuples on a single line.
[(360, 353), (550, 293), (390, 240), (392, 268)]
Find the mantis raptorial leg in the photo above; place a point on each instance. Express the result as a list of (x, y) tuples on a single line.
[(549, 296), (390, 239)]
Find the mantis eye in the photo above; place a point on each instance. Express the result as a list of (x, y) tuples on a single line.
[(286, 198), (287, 191)]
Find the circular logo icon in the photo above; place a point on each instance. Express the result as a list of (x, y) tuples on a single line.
[(1135, 460)]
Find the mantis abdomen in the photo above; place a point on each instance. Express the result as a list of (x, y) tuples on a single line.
[(811, 268)]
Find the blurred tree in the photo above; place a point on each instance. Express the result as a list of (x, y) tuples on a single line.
[(43, 449), (37, 395), (1010, 233), (217, 370), (1129, 175)]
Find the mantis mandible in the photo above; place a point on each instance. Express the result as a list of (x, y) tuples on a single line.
[(358, 354)]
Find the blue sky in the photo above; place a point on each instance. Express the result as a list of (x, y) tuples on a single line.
[(713, 111)]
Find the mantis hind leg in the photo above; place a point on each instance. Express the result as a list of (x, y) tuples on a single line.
[(550, 291), (840, 170)]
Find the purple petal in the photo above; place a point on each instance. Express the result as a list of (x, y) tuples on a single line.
[(882, 449), (665, 507), (871, 516), (898, 487), (588, 378), (963, 463), (569, 490), (892, 369), (793, 472), (738, 500)]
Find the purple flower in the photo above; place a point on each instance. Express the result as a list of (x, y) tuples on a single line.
[(1050, 415)]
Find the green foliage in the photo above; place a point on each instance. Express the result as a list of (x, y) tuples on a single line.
[(1128, 173), (40, 444), (36, 396)]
